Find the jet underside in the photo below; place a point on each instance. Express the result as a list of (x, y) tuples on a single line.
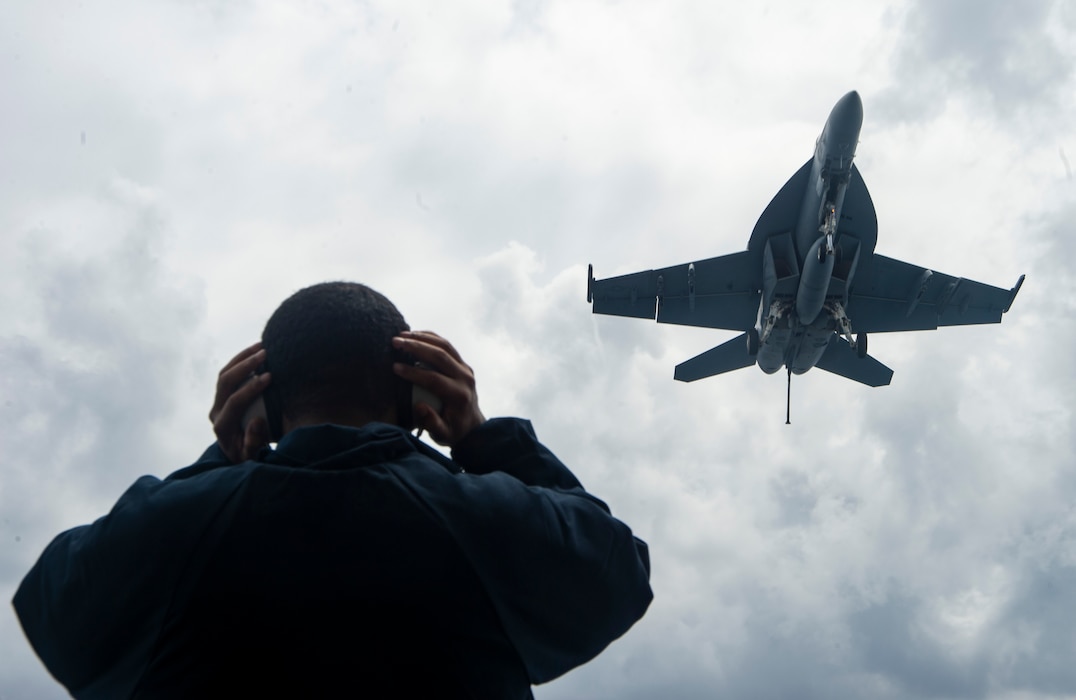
[(809, 287)]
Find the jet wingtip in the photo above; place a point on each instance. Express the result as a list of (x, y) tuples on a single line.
[(1013, 292)]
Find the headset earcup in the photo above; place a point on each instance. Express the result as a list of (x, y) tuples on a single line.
[(273, 414), (404, 414)]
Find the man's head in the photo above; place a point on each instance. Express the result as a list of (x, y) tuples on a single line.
[(329, 348)]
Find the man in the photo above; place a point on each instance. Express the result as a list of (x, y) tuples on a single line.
[(352, 560)]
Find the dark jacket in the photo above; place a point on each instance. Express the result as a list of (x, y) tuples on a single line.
[(348, 562)]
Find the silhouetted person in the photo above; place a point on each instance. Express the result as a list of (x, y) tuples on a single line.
[(352, 560)]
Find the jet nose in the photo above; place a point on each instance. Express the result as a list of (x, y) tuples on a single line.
[(842, 128), (847, 114), (852, 98)]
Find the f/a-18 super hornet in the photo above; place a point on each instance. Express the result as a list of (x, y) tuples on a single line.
[(809, 287)]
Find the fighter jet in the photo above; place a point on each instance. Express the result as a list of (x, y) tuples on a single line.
[(809, 288)]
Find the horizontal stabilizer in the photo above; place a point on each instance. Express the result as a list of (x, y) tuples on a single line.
[(724, 358), (841, 358)]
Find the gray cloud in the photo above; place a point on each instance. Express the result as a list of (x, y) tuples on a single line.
[(1011, 59), (92, 352), (1042, 615), (548, 205), (888, 641)]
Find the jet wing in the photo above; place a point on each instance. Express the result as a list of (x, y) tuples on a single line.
[(890, 295), (783, 211), (722, 292), (633, 295)]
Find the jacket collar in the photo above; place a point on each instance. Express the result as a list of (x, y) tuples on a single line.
[(333, 446), (336, 446)]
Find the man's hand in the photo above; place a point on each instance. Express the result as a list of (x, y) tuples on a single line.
[(450, 379), (237, 389)]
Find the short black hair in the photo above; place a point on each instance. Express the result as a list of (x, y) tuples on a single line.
[(330, 346)]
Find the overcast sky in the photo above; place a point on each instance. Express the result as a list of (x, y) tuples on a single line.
[(171, 171)]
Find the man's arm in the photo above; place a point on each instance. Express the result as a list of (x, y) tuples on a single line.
[(565, 576), (76, 608), (94, 602)]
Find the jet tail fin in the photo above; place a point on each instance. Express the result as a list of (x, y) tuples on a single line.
[(841, 358), (724, 358)]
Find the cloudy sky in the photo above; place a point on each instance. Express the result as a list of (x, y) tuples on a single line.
[(170, 171)]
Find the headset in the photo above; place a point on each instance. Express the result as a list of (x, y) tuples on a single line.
[(408, 395)]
